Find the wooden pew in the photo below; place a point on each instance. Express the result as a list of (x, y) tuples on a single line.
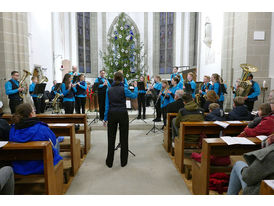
[(207, 127), (168, 131), (215, 146), (265, 189), (69, 130), (40, 150), (65, 118)]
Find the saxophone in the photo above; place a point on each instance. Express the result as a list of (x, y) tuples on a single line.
[(55, 104), (22, 83)]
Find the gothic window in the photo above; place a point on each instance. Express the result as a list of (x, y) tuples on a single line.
[(166, 42), (83, 21)]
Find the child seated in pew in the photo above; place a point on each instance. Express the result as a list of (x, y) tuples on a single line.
[(26, 128), (215, 113), (240, 111), (190, 113), (248, 175), (266, 125)]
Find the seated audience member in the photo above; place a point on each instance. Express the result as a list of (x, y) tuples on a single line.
[(248, 175), (190, 113), (215, 113), (265, 127), (240, 111), (26, 128), (211, 97), (263, 112), (6, 181), (174, 107), (271, 99)]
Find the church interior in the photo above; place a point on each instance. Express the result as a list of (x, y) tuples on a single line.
[(192, 93)]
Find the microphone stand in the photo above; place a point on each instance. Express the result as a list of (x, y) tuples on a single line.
[(154, 128)]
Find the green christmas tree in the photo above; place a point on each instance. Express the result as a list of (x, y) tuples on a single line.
[(124, 51)]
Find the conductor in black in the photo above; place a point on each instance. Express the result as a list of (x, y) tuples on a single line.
[(116, 113)]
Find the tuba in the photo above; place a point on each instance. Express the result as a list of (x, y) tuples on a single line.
[(56, 104), (23, 84), (245, 84)]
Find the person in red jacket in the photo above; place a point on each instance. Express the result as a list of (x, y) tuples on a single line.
[(265, 127)]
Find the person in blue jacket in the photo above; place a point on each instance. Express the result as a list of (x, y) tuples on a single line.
[(12, 90), (216, 86), (165, 96), (81, 94), (116, 113), (181, 82), (27, 127), (173, 89), (206, 86), (253, 93), (190, 85), (74, 74), (175, 73), (68, 89), (102, 88), (36, 100)]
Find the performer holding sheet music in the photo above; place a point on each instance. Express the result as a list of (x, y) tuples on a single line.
[(103, 85), (175, 73), (141, 97)]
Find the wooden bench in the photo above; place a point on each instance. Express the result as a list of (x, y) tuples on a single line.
[(168, 131), (197, 128), (265, 189), (40, 150), (65, 118), (69, 130), (217, 147)]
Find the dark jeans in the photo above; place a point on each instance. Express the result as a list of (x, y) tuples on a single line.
[(37, 104), (80, 103), (141, 103), (69, 107), (115, 118), (13, 103), (101, 100), (250, 105), (164, 112), (158, 108)]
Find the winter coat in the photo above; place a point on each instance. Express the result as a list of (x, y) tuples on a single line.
[(27, 130), (240, 113), (174, 107), (260, 167), (216, 115), (265, 127), (4, 130)]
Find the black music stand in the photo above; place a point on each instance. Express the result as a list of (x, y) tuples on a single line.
[(39, 89), (119, 146), (154, 128)]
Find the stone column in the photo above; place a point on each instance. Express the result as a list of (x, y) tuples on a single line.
[(14, 48)]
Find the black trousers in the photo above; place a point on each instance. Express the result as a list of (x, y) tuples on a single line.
[(37, 104), (115, 118), (101, 100), (141, 103), (164, 112), (80, 104), (69, 107), (250, 105), (13, 103), (158, 108)]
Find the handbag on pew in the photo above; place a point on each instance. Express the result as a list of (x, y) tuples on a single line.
[(214, 160)]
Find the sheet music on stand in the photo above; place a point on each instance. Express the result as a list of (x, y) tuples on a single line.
[(236, 140)]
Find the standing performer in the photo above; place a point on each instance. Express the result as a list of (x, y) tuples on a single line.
[(253, 93), (141, 97), (181, 82), (12, 90), (156, 89), (36, 100), (68, 89), (165, 96), (116, 113), (74, 74), (103, 85), (175, 73), (173, 89), (216, 86), (81, 94), (190, 85)]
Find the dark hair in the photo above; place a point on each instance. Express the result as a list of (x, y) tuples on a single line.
[(176, 67), (13, 72), (33, 77), (22, 111), (118, 77), (178, 76), (250, 75), (265, 108), (187, 97), (66, 80), (102, 70), (176, 79)]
